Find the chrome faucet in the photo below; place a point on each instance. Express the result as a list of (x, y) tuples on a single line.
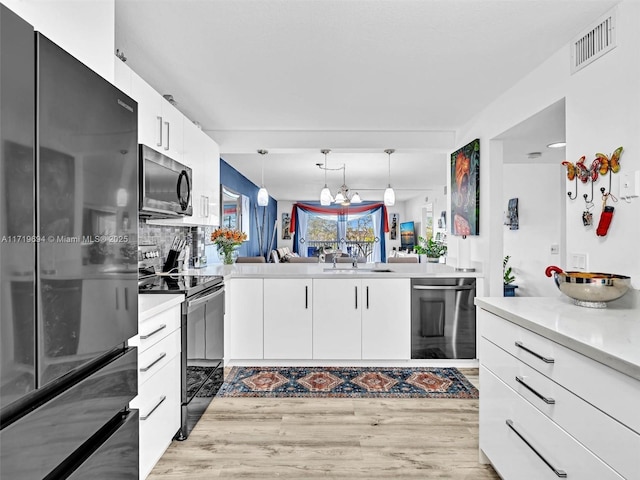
[(334, 261)]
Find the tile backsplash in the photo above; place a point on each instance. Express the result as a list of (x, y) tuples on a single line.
[(163, 235)]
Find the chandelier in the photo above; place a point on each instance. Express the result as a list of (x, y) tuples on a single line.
[(343, 197)]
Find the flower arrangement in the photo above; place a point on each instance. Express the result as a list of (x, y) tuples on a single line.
[(227, 239)]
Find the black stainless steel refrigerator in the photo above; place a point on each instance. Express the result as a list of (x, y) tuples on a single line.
[(68, 265)]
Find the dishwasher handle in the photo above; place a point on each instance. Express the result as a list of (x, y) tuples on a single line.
[(444, 287), (205, 297)]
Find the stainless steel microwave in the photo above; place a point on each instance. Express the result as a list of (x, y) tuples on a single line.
[(165, 185)]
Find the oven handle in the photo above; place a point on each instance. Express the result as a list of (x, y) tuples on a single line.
[(205, 297), (444, 287)]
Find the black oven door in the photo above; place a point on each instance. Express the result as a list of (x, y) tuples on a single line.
[(202, 354)]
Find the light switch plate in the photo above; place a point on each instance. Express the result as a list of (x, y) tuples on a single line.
[(579, 261), (555, 249), (630, 184)]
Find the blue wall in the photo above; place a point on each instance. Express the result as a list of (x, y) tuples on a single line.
[(233, 179)]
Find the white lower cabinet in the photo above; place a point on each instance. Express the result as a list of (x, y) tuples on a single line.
[(288, 318), (245, 311), (523, 444), (337, 324), (362, 319), (159, 408), (318, 319), (158, 400), (539, 410), (386, 319)]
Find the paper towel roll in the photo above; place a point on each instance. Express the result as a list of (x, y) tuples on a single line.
[(464, 253)]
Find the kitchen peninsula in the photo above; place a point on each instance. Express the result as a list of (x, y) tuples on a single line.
[(317, 313)]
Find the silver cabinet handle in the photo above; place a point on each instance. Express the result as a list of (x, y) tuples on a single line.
[(160, 131), (162, 399), (167, 145), (537, 355), (151, 334), (559, 473), (162, 355), (306, 296), (367, 297), (547, 400)]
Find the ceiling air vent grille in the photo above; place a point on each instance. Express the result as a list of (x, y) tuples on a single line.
[(594, 42)]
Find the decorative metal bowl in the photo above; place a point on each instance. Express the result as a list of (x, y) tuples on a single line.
[(590, 289)]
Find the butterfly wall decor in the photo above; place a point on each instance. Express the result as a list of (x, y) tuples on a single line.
[(607, 163), (600, 166), (583, 172)]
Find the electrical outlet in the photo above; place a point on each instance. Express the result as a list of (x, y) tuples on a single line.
[(555, 249), (579, 261)]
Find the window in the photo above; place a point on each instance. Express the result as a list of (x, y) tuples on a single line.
[(323, 231), (357, 231)]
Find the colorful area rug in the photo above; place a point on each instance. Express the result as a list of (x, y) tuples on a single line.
[(327, 382)]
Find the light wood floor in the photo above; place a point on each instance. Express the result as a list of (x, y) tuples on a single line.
[(334, 438)]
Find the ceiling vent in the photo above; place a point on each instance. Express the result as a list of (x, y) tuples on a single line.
[(594, 42)]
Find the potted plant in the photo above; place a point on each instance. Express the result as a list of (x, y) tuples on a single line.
[(508, 278), (432, 249)]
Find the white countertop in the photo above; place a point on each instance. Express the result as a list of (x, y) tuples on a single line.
[(610, 335), (152, 304), (343, 270)]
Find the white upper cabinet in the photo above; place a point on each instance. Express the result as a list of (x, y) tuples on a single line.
[(159, 122), (162, 127), (122, 76), (211, 180)]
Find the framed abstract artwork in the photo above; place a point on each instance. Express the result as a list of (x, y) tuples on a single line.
[(465, 190)]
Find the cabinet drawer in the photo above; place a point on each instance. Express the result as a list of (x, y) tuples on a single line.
[(154, 358), (154, 329), (159, 405), (514, 455), (604, 436), (607, 389)]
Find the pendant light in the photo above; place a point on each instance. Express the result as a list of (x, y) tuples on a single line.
[(389, 194), (263, 195), (325, 194)]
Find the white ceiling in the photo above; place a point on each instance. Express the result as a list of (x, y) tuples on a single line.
[(354, 76)]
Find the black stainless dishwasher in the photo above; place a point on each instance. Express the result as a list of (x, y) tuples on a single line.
[(443, 318)]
